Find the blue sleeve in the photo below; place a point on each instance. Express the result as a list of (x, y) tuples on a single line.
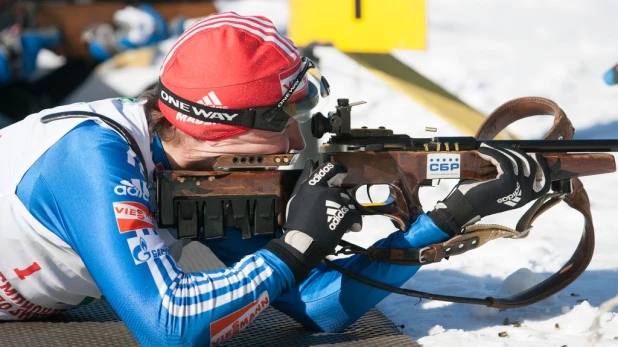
[(329, 301), (233, 247), (89, 191)]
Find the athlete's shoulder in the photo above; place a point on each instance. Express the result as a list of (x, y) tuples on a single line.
[(126, 111), (91, 136), (106, 107), (128, 107)]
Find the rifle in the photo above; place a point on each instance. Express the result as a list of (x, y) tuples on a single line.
[(250, 192)]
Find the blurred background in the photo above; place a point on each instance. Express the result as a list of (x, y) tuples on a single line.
[(472, 55), (444, 64)]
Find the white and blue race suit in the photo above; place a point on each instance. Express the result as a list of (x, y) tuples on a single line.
[(76, 225)]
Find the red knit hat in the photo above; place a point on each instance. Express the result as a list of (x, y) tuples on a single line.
[(229, 61)]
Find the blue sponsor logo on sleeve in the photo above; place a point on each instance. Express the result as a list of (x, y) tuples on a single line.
[(147, 247)]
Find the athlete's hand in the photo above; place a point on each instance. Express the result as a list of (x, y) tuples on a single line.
[(521, 178), (318, 214)]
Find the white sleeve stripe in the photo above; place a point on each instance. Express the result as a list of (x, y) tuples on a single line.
[(158, 278), (173, 272), (167, 265), (220, 300), (210, 285), (242, 262), (246, 262), (191, 293)]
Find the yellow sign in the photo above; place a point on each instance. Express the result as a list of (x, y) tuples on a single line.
[(370, 26)]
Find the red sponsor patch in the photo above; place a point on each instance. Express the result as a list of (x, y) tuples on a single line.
[(230, 325), (132, 216), (287, 78)]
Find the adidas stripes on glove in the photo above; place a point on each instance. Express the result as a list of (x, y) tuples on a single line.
[(318, 214), (521, 178)]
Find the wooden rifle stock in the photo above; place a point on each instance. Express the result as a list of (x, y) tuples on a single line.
[(201, 204), (406, 171)]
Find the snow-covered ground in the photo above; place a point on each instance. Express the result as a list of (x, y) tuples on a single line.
[(488, 52)]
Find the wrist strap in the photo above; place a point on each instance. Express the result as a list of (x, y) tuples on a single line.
[(295, 260)]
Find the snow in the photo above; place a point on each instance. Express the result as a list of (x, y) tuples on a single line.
[(488, 52)]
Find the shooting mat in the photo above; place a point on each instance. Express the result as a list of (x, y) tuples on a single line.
[(97, 324)]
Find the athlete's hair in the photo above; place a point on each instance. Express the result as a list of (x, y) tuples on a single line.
[(158, 123)]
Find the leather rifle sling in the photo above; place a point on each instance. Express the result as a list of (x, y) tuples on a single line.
[(479, 234), (506, 114)]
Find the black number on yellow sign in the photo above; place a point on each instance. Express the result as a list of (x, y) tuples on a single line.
[(357, 9)]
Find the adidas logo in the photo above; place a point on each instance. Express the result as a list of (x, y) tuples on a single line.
[(211, 100), (135, 187), (335, 213), (511, 199), (318, 175)]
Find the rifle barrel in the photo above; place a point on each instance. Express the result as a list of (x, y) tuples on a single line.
[(538, 146)]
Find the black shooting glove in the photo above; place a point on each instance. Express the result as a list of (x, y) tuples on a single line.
[(318, 214), (521, 178)]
